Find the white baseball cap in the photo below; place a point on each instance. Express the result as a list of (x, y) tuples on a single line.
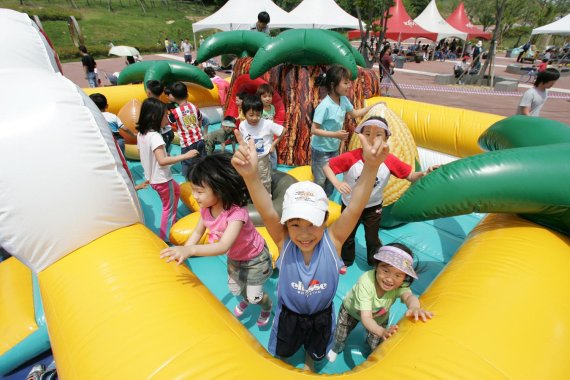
[(305, 200)]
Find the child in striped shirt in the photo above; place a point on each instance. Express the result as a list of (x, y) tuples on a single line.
[(188, 120)]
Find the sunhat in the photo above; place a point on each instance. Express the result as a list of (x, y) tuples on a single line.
[(397, 258)]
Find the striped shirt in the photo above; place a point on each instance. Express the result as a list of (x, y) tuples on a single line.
[(187, 119)]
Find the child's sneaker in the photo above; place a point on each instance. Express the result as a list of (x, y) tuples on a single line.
[(240, 308), (264, 317)]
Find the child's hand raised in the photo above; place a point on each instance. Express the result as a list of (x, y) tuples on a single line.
[(376, 152), (244, 159), (418, 313)]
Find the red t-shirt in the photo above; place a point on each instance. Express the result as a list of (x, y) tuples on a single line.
[(351, 164)]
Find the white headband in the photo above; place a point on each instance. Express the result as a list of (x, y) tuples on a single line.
[(375, 122)]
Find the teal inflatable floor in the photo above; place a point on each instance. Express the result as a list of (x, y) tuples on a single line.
[(433, 242)]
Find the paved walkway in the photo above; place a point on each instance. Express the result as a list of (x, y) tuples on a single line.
[(417, 82)]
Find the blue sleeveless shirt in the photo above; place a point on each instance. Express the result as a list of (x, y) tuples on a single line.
[(306, 289)]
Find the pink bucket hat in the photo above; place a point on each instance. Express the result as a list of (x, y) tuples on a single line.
[(398, 258), (305, 200)]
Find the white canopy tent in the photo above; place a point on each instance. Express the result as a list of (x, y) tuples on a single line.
[(321, 14), (430, 19), (561, 26), (242, 15)]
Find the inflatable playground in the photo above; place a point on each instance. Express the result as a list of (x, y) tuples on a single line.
[(491, 228)]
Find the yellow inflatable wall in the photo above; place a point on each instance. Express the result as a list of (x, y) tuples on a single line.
[(117, 96), (444, 129)]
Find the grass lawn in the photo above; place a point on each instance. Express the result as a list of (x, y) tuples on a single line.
[(125, 25)]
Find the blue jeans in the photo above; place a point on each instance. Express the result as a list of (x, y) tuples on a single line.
[(92, 79), (200, 146), (273, 159), (121, 144), (318, 160)]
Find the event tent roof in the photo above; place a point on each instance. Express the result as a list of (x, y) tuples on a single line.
[(459, 20), (242, 15), (321, 14), (400, 26), (561, 26), (430, 19)]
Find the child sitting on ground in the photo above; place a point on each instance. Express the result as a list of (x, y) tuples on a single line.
[(115, 124), (262, 132), (221, 194), (222, 136), (373, 295), (188, 119), (309, 260), (351, 164)]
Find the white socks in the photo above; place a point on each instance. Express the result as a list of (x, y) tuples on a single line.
[(331, 356)]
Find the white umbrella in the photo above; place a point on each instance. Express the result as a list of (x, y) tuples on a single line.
[(124, 51)]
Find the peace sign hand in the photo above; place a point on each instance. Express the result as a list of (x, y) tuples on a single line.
[(244, 159), (377, 152)]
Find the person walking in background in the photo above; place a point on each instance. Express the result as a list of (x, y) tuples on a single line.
[(167, 45), (523, 52), (89, 66), (535, 97), (387, 69), (187, 50)]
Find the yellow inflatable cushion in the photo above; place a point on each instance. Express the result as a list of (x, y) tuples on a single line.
[(17, 318)]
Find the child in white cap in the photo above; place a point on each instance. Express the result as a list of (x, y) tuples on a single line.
[(309, 260), (372, 296), (351, 164)]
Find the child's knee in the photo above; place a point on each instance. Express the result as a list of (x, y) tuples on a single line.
[(234, 288), (254, 294)]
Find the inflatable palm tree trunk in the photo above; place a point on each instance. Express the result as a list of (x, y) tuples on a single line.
[(296, 85)]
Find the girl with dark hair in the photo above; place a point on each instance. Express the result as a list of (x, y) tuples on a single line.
[(156, 162), (222, 195), (371, 298), (535, 97), (328, 121)]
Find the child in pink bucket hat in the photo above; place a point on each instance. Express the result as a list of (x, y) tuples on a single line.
[(372, 296)]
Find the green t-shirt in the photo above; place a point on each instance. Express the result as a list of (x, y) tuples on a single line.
[(363, 296), (269, 115)]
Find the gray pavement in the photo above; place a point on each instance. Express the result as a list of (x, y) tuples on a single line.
[(418, 82)]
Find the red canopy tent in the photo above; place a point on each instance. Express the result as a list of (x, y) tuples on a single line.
[(459, 20), (400, 26)]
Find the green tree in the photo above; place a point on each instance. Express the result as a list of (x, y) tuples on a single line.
[(415, 7)]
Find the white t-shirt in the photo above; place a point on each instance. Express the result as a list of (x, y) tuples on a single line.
[(533, 98), (186, 47), (147, 144), (262, 134)]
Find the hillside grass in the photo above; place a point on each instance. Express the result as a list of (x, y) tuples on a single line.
[(125, 25)]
